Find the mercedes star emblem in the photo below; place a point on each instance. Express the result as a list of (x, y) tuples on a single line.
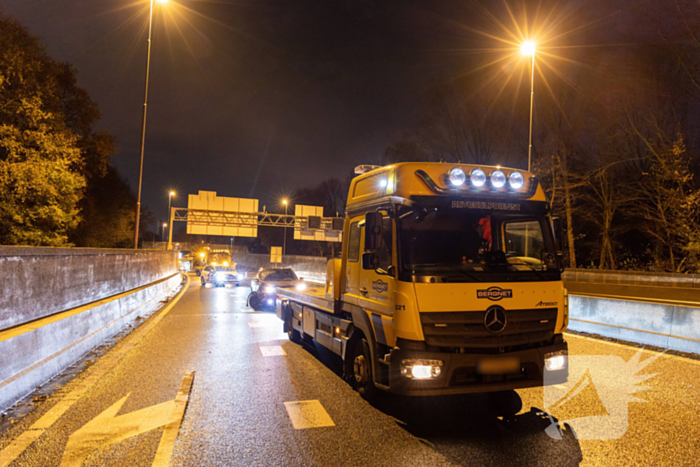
[(495, 319)]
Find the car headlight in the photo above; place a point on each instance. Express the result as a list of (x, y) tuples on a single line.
[(270, 289), (421, 369), (301, 287), (217, 275), (554, 361), (240, 277)]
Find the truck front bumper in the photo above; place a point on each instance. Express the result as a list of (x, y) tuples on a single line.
[(464, 373)]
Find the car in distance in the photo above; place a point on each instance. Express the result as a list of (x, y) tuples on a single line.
[(219, 276), (267, 281)]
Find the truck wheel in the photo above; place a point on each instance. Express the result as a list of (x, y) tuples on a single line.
[(293, 334), (505, 403), (362, 378)]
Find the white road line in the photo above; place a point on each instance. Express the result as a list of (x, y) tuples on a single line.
[(257, 325), (308, 414), (615, 344), (167, 440), (272, 350)]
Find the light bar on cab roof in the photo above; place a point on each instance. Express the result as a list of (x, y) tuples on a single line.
[(478, 181)]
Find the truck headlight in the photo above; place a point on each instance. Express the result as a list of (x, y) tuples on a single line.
[(240, 276), (301, 287), (554, 361), (270, 289), (421, 369)]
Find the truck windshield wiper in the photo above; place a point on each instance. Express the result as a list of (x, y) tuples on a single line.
[(539, 273), (455, 268)]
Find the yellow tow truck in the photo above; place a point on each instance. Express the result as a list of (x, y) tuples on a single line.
[(449, 283)]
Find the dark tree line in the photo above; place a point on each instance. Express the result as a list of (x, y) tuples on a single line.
[(57, 184), (615, 140)]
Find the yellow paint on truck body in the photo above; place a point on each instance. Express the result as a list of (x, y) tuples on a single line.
[(399, 304)]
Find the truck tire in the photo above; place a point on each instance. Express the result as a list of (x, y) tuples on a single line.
[(362, 378)]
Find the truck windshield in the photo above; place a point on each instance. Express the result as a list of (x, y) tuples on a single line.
[(475, 246)]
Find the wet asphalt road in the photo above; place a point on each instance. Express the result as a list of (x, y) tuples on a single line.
[(237, 416)]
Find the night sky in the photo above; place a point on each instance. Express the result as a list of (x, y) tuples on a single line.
[(256, 98)]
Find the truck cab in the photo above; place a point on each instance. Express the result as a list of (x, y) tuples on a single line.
[(450, 280)]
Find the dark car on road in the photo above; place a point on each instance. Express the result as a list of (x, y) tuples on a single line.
[(264, 286), (220, 276)]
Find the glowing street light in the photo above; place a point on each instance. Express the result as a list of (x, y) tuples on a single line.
[(284, 242), (528, 49), (143, 128), (171, 195)]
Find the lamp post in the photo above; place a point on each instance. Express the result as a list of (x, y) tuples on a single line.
[(284, 242), (171, 195), (162, 234), (528, 49), (143, 127)]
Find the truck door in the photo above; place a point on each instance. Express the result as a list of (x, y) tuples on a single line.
[(354, 265), (377, 287)]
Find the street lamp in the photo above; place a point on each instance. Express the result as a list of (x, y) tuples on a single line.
[(284, 242), (171, 195), (528, 49), (143, 128), (162, 234)]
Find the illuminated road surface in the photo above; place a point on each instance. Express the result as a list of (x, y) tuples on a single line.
[(257, 399)]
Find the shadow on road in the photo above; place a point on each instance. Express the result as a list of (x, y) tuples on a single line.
[(475, 429)]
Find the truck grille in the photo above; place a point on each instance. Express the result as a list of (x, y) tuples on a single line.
[(466, 328)]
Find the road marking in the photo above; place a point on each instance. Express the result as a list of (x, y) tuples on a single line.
[(257, 324), (616, 344), (95, 374), (167, 441), (272, 350), (308, 414), (107, 429)]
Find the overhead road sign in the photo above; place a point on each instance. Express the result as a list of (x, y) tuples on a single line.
[(245, 209), (311, 225)]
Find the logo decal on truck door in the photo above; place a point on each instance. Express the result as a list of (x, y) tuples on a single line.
[(380, 286), (494, 293)]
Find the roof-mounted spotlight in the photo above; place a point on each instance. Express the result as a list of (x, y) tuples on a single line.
[(498, 179), (516, 180), (457, 176), (478, 177)]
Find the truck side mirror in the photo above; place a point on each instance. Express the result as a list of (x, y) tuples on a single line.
[(370, 261), (373, 231), (558, 233)]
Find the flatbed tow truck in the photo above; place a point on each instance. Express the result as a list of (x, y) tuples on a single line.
[(449, 282)]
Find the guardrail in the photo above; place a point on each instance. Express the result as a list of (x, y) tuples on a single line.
[(660, 309)]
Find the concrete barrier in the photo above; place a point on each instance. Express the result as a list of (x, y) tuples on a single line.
[(654, 309), (61, 303)]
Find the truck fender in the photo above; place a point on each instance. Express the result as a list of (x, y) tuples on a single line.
[(360, 320)]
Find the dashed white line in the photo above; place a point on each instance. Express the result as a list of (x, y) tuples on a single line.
[(308, 414), (272, 350)]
